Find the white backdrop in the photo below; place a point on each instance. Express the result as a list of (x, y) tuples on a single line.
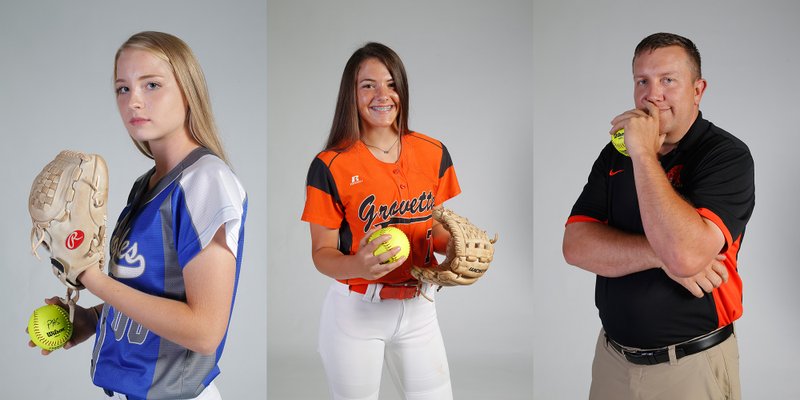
[(56, 92), (469, 65), (582, 79)]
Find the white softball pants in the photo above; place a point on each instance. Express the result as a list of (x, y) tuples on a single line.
[(356, 336)]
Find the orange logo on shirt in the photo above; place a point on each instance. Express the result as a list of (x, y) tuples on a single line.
[(612, 172), (674, 176)]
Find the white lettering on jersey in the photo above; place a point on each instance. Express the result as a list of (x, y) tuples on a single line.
[(129, 254)]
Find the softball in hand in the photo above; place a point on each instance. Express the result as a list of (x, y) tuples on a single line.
[(398, 239), (49, 327), (618, 140)]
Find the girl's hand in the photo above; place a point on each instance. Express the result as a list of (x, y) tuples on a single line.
[(370, 266), (83, 327)]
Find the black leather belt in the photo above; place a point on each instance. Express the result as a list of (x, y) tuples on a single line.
[(661, 355)]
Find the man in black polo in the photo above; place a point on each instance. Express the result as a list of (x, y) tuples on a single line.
[(662, 229)]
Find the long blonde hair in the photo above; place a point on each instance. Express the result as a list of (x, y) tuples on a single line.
[(187, 71)]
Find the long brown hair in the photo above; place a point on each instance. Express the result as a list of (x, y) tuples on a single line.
[(346, 126), (191, 80)]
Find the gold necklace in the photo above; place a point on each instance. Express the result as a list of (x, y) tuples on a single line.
[(384, 151)]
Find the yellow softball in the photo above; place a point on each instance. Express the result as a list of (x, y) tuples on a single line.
[(49, 327), (398, 239), (618, 140)]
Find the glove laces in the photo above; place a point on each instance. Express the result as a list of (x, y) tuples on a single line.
[(71, 302)]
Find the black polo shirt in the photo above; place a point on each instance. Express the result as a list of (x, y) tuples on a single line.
[(713, 171)]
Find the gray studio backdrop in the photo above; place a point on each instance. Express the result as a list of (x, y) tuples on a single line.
[(56, 92), (469, 65), (582, 79)]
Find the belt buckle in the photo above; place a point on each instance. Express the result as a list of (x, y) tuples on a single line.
[(650, 356), (646, 357)]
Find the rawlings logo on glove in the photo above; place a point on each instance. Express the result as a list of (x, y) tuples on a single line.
[(67, 205), (469, 253), (74, 240)]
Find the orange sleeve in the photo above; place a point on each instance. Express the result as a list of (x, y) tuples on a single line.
[(448, 183), (711, 216), (321, 210), (322, 204), (448, 186)]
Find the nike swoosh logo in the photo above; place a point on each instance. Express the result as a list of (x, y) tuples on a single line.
[(612, 172)]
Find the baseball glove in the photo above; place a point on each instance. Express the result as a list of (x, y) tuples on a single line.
[(469, 253), (68, 210)]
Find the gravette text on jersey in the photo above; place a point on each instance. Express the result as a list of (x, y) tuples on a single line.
[(367, 209)]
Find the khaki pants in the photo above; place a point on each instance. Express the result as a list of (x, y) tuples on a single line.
[(709, 375)]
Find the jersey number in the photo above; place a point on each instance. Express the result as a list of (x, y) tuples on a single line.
[(429, 253), (136, 333)]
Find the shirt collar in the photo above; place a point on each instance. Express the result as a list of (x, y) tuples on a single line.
[(691, 137)]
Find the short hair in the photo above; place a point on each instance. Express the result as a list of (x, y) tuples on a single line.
[(662, 39), (346, 126), (191, 80)]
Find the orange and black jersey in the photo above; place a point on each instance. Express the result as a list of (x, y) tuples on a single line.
[(713, 171), (353, 192)]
